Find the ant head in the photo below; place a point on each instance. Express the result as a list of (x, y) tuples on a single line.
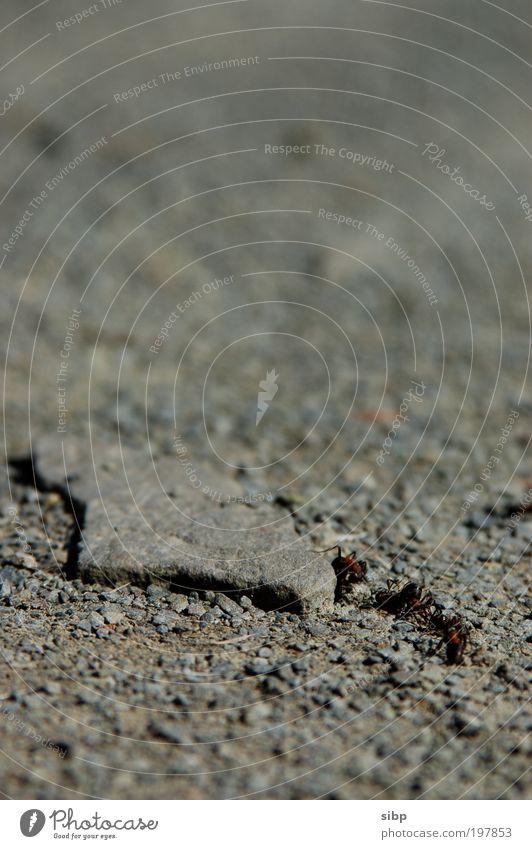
[(412, 590)]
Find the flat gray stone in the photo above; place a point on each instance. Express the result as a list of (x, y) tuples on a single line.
[(143, 523)]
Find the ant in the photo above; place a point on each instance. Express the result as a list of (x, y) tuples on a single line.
[(423, 606), (455, 636), (408, 599), (437, 619), (347, 568)]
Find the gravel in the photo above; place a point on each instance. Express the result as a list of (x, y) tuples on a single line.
[(11, 580)]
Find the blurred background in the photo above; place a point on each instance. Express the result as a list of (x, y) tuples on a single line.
[(181, 191)]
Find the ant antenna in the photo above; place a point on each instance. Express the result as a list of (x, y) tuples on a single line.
[(325, 550)]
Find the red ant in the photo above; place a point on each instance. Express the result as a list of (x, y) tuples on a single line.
[(409, 600), (422, 606), (405, 601), (347, 568), (455, 636)]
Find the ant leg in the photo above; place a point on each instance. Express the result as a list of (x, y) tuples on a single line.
[(439, 646)]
